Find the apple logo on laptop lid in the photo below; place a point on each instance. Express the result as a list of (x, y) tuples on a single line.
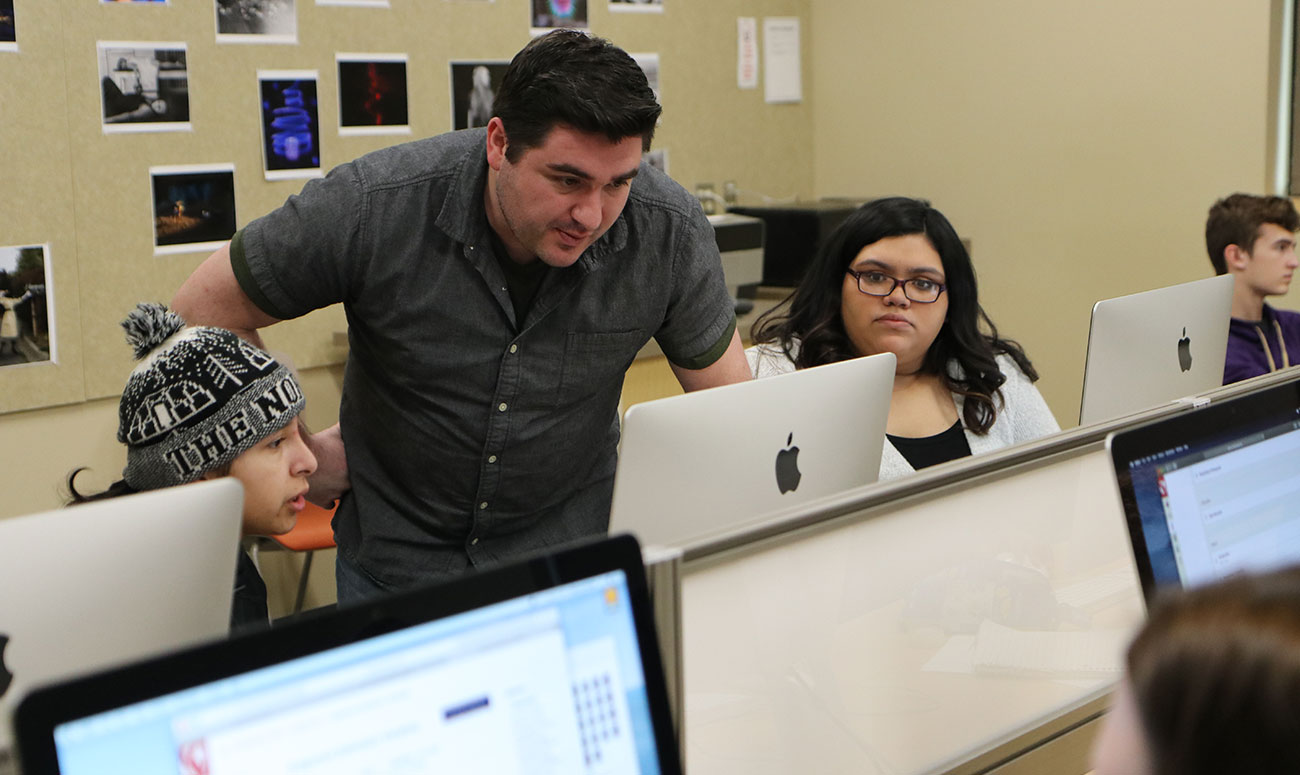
[(1185, 351), (787, 467)]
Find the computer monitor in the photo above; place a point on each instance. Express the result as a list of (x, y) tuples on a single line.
[(1214, 491), (1151, 348), (549, 665), (110, 581), (696, 464)]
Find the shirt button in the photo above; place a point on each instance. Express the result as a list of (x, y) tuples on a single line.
[(514, 348), (482, 505), (501, 407), (473, 542), (492, 458)]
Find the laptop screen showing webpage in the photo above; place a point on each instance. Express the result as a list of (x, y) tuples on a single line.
[(1215, 492), (551, 682)]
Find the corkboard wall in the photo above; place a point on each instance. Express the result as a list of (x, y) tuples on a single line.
[(88, 194)]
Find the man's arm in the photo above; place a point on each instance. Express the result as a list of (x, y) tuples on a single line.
[(731, 367), (212, 297)]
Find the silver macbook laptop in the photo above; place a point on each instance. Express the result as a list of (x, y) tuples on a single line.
[(1155, 347), (546, 666), (694, 464), (101, 583)]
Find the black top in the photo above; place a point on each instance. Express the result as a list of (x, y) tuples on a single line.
[(522, 280), (249, 609), (932, 450)]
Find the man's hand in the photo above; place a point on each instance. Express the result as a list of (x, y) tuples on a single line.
[(331, 478)]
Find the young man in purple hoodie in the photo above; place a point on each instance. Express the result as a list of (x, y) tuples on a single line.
[(1253, 238)]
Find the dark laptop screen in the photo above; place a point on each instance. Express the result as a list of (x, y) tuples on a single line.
[(1215, 491), (552, 681)]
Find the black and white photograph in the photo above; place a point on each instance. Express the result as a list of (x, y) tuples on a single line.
[(290, 124), (473, 88), (658, 158), (144, 87), (193, 207), (554, 14), (372, 94), (26, 306), (636, 6), (649, 64), (257, 21), (8, 26)]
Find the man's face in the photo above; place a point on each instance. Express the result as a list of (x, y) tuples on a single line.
[(556, 199), (1271, 261)]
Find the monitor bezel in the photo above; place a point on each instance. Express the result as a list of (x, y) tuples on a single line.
[(45, 708)]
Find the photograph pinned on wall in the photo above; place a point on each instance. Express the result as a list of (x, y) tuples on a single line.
[(144, 87), (193, 207), (473, 88), (8, 26), (649, 64), (290, 124), (555, 14), (26, 306), (636, 6), (657, 158), (257, 21), (372, 94), (357, 3)]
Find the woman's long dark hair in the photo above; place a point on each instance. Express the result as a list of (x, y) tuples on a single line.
[(115, 490), (809, 325)]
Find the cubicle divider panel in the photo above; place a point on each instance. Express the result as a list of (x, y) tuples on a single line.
[(914, 636)]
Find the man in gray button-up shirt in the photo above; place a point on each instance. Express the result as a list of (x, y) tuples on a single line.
[(497, 283)]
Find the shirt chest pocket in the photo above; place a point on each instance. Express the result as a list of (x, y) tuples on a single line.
[(596, 361)]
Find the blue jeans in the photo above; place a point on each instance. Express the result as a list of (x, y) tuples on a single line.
[(354, 584)]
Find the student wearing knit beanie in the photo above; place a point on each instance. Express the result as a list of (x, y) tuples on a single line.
[(201, 404)]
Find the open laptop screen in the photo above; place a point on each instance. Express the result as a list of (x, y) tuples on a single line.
[(1213, 492), (550, 681)]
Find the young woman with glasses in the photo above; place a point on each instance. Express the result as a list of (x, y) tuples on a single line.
[(894, 277)]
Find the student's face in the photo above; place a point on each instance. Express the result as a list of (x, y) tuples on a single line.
[(274, 474), (894, 323), (1272, 261), (1120, 748), (558, 198)]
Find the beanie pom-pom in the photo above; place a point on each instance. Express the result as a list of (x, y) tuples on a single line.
[(148, 326)]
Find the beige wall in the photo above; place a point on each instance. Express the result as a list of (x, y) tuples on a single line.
[(1078, 145)]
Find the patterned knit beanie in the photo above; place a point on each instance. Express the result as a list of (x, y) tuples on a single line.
[(198, 399)]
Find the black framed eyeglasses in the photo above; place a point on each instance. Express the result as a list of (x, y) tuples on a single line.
[(921, 290)]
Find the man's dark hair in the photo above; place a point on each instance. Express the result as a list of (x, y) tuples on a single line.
[(1216, 677), (569, 77), (1235, 220)]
